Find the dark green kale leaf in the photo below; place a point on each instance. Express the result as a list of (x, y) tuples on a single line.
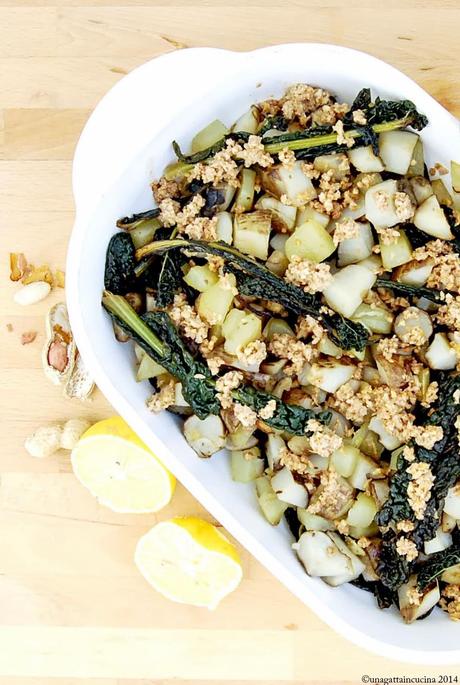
[(155, 333), (436, 564), (120, 262), (291, 418), (256, 280), (384, 596), (169, 278), (445, 467), (277, 122), (179, 361), (453, 217), (158, 337), (410, 290), (240, 137), (293, 522), (417, 238), (130, 222), (393, 569), (382, 115)]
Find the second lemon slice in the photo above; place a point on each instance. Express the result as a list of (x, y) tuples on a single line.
[(190, 561), (120, 470)]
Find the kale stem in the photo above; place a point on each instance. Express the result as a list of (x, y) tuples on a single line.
[(117, 305), (331, 138)]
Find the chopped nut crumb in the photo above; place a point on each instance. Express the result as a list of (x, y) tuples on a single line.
[(450, 601), (306, 326), (313, 277), (245, 415), (221, 168), (419, 489), (344, 230), (359, 117), (343, 137), (332, 495), (254, 353), (225, 386), (407, 548), (284, 346), (404, 208), (414, 596), (253, 152), (388, 236), (163, 399), (164, 189), (287, 158), (408, 453), (269, 410), (188, 320), (298, 463), (323, 440), (405, 526)]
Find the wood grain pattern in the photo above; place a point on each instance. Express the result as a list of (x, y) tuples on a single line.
[(74, 609)]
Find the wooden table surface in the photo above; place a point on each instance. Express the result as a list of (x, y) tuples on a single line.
[(73, 608)]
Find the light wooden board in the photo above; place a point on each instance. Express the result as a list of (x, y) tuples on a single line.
[(73, 608)]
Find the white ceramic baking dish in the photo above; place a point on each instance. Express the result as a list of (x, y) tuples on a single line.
[(125, 144)]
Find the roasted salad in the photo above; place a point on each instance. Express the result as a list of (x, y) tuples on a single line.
[(294, 296)]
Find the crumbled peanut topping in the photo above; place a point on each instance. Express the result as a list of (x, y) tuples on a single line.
[(201, 228), (313, 277), (405, 526), (344, 230), (343, 138), (388, 236), (254, 353), (284, 346), (221, 168), (432, 250), (353, 405), (245, 415), (269, 410), (427, 436), (404, 208), (448, 314), (287, 158), (333, 495), (431, 394), (298, 463), (446, 273), (164, 189), (408, 453), (335, 195), (419, 489), (301, 100), (327, 115), (450, 601), (253, 152), (407, 548), (323, 440), (382, 199), (389, 347), (163, 399), (359, 117), (171, 214), (414, 597), (342, 526), (188, 320), (306, 325), (225, 386)]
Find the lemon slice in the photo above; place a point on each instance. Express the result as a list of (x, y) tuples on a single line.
[(120, 470), (190, 561)]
